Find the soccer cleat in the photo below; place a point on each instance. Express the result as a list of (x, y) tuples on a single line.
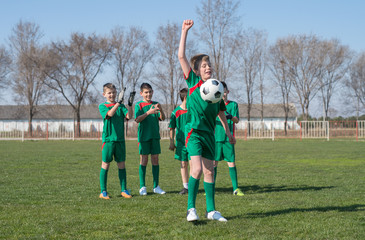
[(158, 190), (183, 191), (126, 194), (191, 215), (215, 215), (238, 192), (104, 195), (143, 191)]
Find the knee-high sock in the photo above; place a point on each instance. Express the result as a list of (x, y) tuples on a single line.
[(142, 176), (155, 174), (103, 179), (193, 191), (233, 174), (122, 173), (209, 196)]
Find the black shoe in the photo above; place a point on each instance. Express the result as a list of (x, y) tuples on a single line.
[(183, 191)]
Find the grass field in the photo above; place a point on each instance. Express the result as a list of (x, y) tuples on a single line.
[(312, 189)]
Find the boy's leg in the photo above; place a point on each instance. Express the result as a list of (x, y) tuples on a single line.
[(142, 170), (104, 176), (155, 170), (208, 170), (122, 174), (184, 173), (195, 174), (233, 174)]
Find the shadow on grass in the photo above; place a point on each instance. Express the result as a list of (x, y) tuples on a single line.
[(271, 188), (351, 208)]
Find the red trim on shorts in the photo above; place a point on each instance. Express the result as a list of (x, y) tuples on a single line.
[(187, 137), (180, 112), (191, 90), (102, 146)]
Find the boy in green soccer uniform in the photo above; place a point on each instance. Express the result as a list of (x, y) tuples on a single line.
[(223, 149), (200, 141), (148, 113), (113, 114), (178, 122)]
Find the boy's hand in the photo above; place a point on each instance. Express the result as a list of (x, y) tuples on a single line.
[(153, 110), (232, 139), (121, 96), (131, 98), (187, 24), (172, 146)]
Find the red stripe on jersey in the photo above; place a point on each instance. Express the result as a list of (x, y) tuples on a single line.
[(191, 90), (186, 77), (227, 103), (102, 146), (110, 104), (143, 104), (180, 112), (187, 137)]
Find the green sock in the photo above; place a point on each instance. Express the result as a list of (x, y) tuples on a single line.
[(155, 174), (215, 173), (122, 173), (209, 197), (142, 176), (103, 179), (193, 191), (233, 174)]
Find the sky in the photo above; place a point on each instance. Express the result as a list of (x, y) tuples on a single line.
[(343, 20)]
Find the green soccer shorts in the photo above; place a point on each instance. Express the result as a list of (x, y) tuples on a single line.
[(181, 153), (200, 143), (113, 149), (150, 147), (225, 151)]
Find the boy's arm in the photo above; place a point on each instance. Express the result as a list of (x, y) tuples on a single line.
[(152, 110), (112, 111), (162, 113), (172, 141), (223, 119), (187, 24)]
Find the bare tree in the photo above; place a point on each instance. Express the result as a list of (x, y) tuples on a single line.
[(131, 52), (335, 64), (356, 82), (305, 64), (5, 62), (279, 66), (250, 54), (219, 27), (73, 67), (28, 77)]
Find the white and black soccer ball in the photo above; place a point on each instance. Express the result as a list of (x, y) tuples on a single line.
[(212, 90)]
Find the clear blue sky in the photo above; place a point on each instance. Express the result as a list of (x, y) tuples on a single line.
[(58, 18)]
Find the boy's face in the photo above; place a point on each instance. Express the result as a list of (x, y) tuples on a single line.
[(225, 95), (110, 94), (205, 70), (147, 94)]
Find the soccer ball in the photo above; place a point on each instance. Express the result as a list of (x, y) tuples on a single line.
[(212, 91)]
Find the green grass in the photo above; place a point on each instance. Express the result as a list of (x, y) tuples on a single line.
[(309, 189)]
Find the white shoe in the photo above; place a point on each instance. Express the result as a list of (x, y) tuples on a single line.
[(191, 215), (215, 215), (143, 191), (158, 190)]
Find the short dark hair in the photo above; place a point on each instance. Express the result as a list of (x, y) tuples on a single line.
[(108, 86), (145, 86), (224, 85), (183, 93), (196, 60)]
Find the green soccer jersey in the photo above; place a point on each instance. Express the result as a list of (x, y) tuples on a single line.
[(201, 115), (178, 122), (113, 129), (220, 134), (149, 128)]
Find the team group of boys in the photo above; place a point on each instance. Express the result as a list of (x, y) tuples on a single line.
[(203, 132)]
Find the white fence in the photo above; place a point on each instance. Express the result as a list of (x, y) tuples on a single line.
[(18, 130)]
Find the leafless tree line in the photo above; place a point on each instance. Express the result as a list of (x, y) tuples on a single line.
[(298, 68)]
